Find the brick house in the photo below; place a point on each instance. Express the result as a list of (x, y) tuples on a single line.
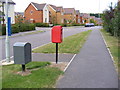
[(37, 13), (70, 15), (77, 16), (85, 18), (56, 14), (19, 17), (60, 15)]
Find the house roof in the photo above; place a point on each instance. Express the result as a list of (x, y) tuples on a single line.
[(69, 10), (53, 6), (9, 1), (85, 15), (19, 13), (38, 6), (59, 9)]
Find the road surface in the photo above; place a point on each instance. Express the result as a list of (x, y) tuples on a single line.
[(40, 38)]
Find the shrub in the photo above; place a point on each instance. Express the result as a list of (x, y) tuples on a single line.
[(75, 24), (41, 24), (15, 29), (69, 25), (31, 27), (3, 30), (64, 25), (26, 27), (18, 28)]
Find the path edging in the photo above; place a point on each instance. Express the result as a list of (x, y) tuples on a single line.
[(70, 62), (107, 47)]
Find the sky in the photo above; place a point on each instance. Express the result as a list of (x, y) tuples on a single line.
[(85, 6)]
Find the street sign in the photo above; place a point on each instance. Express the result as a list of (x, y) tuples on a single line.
[(9, 26)]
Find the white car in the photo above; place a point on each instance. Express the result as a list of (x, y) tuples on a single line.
[(89, 24)]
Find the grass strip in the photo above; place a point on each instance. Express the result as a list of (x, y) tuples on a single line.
[(44, 77), (71, 44), (113, 45)]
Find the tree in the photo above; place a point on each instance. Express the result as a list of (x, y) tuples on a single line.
[(92, 21), (111, 20)]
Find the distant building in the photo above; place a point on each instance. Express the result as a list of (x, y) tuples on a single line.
[(77, 16), (10, 10), (56, 14), (70, 15), (98, 21), (19, 17), (44, 13), (86, 17), (37, 13)]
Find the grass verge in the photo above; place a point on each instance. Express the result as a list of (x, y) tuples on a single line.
[(71, 44), (113, 44), (42, 77)]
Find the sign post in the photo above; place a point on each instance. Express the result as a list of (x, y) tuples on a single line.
[(7, 43), (57, 38), (56, 53)]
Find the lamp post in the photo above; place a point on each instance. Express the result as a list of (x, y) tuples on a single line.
[(7, 43), (99, 8)]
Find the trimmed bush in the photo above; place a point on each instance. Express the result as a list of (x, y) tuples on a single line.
[(41, 24), (3, 30), (64, 25), (26, 27), (31, 27), (15, 29), (75, 24), (18, 28)]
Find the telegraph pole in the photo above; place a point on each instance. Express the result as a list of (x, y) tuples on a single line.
[(7, 43)]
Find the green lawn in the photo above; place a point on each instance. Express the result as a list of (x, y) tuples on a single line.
[(71, 44), (112, 43), (43, 77)]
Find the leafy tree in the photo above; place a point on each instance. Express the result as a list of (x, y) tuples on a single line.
[(92, 21), (111, 20)]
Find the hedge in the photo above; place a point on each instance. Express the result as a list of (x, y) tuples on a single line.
[(18, 28), (41, 24)]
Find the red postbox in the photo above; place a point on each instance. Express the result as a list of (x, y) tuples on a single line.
[(57, 34)]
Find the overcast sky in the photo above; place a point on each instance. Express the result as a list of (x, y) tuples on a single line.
[(85, 6)]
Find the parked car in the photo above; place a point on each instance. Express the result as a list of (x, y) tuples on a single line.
[(92, 24), (89, 24)]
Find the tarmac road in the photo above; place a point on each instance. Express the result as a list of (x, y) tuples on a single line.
[(40, 38)]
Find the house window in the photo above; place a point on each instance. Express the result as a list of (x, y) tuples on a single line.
[(31, 12), (45, 20)]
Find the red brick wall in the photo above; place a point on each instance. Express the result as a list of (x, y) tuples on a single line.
[(37, 16)]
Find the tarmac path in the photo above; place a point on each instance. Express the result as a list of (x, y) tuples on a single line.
[(92, 67)]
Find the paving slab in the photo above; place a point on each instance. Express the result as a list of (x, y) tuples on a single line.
[(45, 57), (92, 67), (51, 57)]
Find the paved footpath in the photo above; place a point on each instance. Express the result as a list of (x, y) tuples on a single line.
[(92, 67)]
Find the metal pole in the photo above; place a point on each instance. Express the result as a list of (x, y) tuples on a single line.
[(23, 67), (7, 44), (99, 9), (56, 53)]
